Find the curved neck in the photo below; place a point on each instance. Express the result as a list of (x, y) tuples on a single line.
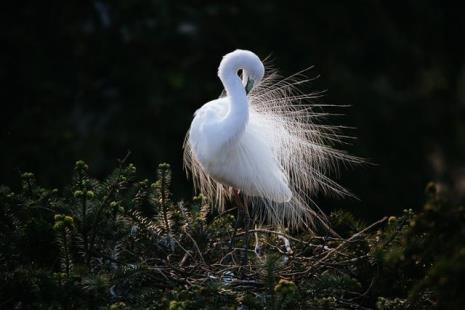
[(238, 115)]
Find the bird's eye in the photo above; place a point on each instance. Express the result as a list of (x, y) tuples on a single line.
[(249, 86)]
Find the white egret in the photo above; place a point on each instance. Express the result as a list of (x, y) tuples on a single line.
[(261, 139)]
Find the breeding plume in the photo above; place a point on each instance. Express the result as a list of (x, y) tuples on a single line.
[(263, 138)]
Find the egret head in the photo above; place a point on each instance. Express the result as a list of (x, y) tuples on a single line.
[(247, 63), (253, 73)]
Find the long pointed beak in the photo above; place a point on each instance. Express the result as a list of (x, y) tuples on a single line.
[(249, 86)]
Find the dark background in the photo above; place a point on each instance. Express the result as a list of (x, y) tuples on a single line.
[(93, 79)]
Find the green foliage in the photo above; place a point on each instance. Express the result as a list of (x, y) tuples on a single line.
[(287, 294), (390, 304), (122, 243)]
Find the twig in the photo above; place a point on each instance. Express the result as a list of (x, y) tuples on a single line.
[(316, 264), (196, 246)]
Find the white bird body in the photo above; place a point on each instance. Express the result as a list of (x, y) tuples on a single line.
[(244, 160), (257, 140)]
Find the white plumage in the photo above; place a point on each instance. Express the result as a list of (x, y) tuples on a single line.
[(264, 143)]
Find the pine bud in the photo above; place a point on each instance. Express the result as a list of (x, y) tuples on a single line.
[(68, 220), (132, 168), (58, 226), (81, 165), (59, 217)]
